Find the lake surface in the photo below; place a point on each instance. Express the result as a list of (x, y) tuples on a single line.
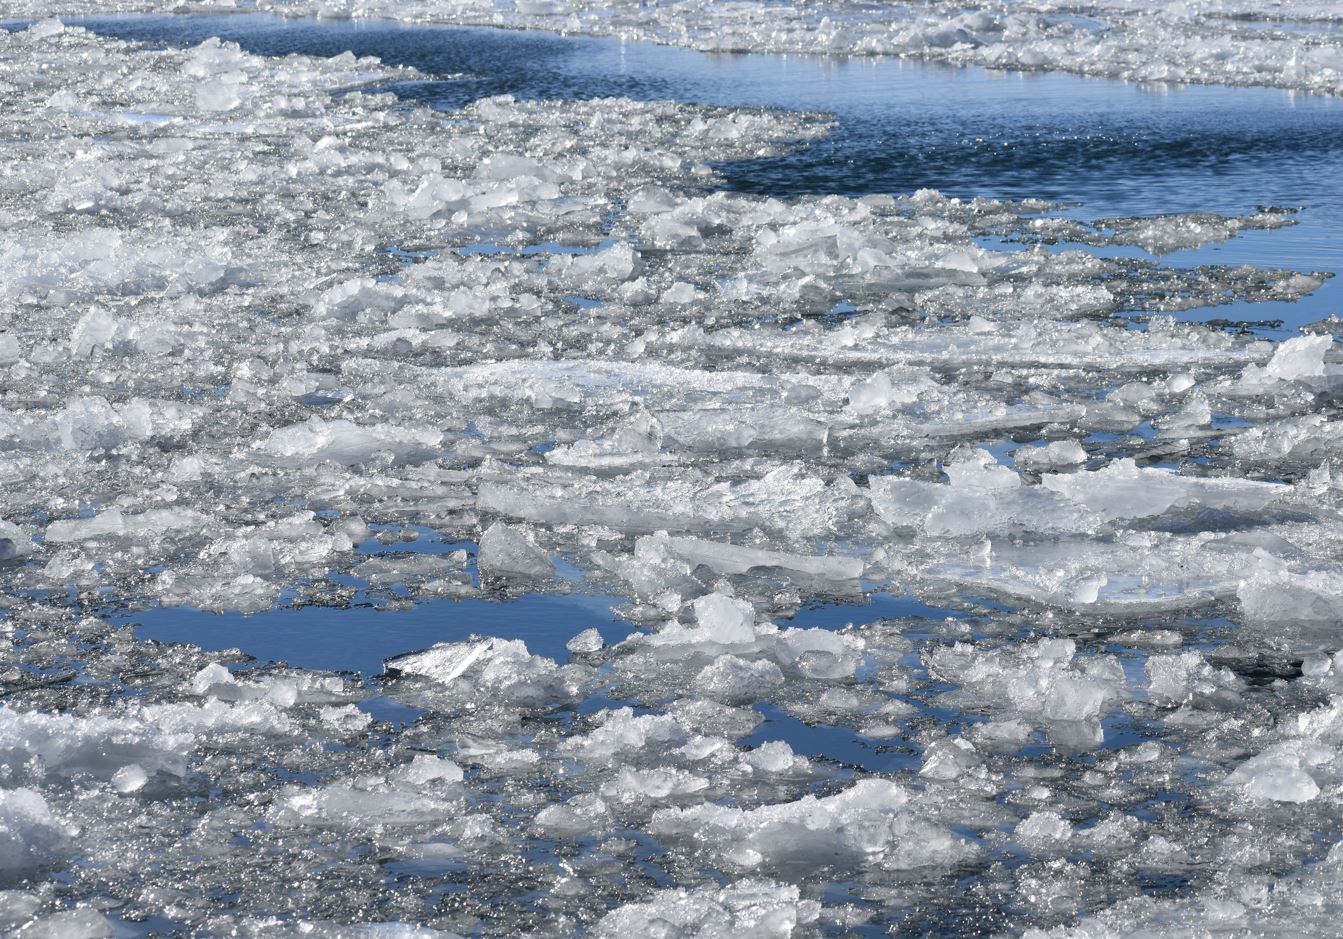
[(1055, 679), (1111, 148), (1117, 148)]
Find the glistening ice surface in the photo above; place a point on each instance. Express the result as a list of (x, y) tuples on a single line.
[(1296, 44), (277, 341)]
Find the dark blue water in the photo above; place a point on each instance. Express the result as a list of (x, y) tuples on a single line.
[(1117, 148), (359, 638)]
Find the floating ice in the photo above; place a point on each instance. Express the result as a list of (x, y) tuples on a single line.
[(749, 908), (396, 357)]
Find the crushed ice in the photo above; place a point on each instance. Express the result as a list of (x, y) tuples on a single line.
[(261, 331)]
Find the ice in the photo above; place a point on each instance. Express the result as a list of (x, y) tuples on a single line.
[(1148, 42), (345, 805), (1177, 679), (1275, 595), (509, 551), (14, 543), (948, 596), (753, 909), (1306, 439), (1123, 490), (724, 620), (622, 734), (498, 667), (30, 835), (1281, 773), (1061, 454), (342, 441), (73, 924), (981, 497), (1042, 684), (448, 661), (871, 823), (735, 680), (129, 778), (733, 559)]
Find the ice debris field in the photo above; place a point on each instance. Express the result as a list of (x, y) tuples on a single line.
[(273, 338)]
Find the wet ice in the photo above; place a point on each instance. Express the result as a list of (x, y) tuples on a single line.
[(268, 333)]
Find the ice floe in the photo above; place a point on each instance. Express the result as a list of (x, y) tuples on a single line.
[(274, 337)]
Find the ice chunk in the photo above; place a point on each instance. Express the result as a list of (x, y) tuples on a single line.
[(589, 640), (655, 785), (130, 778), (511, 551), (502, 671), (982, 497), (31, 836), (344, 805), (113, 523), (749, 909), (949, 758), (870, 823), (1176, 679), (733, 679), (1123, 490), (1272, 595), (1057, 455), (725, 620), (427, 771), (80, 923), (1282, 772), (732, 559), (622, 735), (1297, 360), (15, 545), (343, 441), (1302, 357)]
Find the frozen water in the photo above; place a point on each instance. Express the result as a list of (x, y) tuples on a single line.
[(1228, 43), (277, 340)]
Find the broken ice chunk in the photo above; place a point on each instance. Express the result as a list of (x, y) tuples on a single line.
[(343, 805), (735, 680), (501, 669), (589, 640), (446, 662), (511, 551), (870, 823), (663, 784), (345, 442), (1275, 596), (1123, 490), (724, 558), (946, 759), (747, 909), (725, 620), (1060, 454), (1297, 360), (1281, 773), (31, 836), (130, 778), (14, 544)]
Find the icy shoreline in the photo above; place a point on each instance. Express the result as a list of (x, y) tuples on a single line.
[(262, 334)]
